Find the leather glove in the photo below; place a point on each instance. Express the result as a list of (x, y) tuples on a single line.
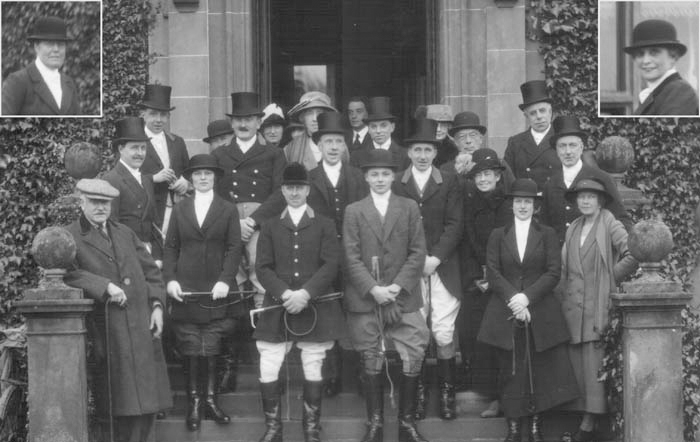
[(391, 313)]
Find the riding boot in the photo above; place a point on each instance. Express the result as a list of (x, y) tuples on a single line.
[(211, 409), (513, 430), (228, 374), (421, 396), (331, 372), (535, 430), (311, 413), (374, 398), (446, 376), (194, 400), (407, 410), (269, 392)]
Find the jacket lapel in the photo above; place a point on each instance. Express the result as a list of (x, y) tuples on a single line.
[(153, 155), (534, 236), (41, 88), (410, 186), (433, 184), (212, 215), (511, 243), (67, 94), (131, 183), (371, 214), (650, 99), (393, 212), (319, 178), (92, 238)]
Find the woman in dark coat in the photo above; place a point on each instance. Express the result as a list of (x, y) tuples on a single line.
[(202, 254), (523, 318)]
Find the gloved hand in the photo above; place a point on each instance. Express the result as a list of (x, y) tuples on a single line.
[(391, 313)]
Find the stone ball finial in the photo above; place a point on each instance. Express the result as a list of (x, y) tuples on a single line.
[(615, 154), (83, 160), (650, 241), (53, 248)]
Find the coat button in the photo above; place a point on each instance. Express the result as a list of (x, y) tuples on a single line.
[(296, 274), (255, 171), (235, 196), (127, 281), (296, 246), (296, 233), (235, 183), (296, 259), (138, 206), (568, 207), (234, 171), (527, 169)]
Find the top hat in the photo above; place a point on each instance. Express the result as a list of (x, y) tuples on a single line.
[(329, 123), (202, 161), (524, 188), (466, 120), (49, 28), (244, 104), (379, 108), (272, 115), (379, 158), (295, 174), (655, 33), (129, 129), (157, 97), (217, 128), (566, 125), (591, 184), (311, 100), (426, 130), (485, 159), (439, 112), (534, 91), (97, 189)]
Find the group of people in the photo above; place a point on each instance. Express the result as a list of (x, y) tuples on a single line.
[(354, 241)]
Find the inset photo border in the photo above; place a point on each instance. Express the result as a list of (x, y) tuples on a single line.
[(648, 58)]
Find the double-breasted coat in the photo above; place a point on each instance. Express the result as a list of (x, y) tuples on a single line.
[(674, 96), (198, 257), (305, 256), (327, 201), (398, 155), (139, 378), (26, 93), (530, 160)]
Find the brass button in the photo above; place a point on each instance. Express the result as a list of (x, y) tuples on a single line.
[(127, 281)]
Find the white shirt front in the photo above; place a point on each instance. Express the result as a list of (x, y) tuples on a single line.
[(202, 202), (381, 202), (385, 146), (332, 172), (644, 93), (134, 172), (160, 145), (245, 145), (570, 173), (539, 136), (421, 178), (362, 134), (295, 213), (52, 78), (522, 228), (315, 151)]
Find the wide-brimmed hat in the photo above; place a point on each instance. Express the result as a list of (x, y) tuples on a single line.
[(129, 129), (524, 188), (425, 132), (566, 125), (485, 159), (379, 158), (295, 174), (244, 104), (466, 120), (311, 100), (534, 91), (590, 184), (379, 108), (157, 96), (217, 128), (49, 28), (272, 115), (97, 189), (329, 123), (655, 33), (202, 161)]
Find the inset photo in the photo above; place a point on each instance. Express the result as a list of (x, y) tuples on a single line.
[(51, 59), (648, 57)]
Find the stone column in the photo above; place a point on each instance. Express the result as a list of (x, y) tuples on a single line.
[(652, 342), (56, 336)]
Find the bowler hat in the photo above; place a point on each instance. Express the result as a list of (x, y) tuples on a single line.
[(244, 104), (485, 159), (202, 161), (157, 97), (97, 189), (566, 125), (272, 115), (329, 123), (439, 112), (591, 184), (379, 108), (534, 91), (426, 130), (655, 33), (379, 158), (310, 100), (217, 128), (295, 174), (524, 188), (466, 120), (129, 129), (49, 28)]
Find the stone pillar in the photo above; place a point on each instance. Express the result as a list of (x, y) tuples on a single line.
[(652, 342), (56, 337)]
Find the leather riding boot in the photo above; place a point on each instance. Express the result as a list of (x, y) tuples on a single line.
[(269, 391), (228, 376), (194, 400), (407, 410), (374, 398), (513, 430), (311, 413), (421, 396), (535, 430), (331, 372), (211, 409), (446, 370)]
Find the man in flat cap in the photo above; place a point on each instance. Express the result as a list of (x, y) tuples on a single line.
[(113, 268), (303, 149), (40, 88)]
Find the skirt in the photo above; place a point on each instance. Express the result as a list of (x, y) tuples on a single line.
[(202, 339), (587, 360)]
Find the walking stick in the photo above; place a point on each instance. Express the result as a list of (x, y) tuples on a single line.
[(431, 351), (323, 298)]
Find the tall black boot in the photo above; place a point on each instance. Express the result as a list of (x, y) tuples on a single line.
[(194, 400), (535, 430), (211, 409), (269, 391), (311, 414), (374, 398), (407, 410), (513, 430), (421, 396), (332, 382), (446, 370), (228, 362)]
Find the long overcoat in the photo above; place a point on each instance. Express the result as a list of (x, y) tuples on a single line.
[(26, 93), (529, 160), (674, 96)]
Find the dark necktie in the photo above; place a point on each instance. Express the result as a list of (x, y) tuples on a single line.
[(356, 144), (102, 228)]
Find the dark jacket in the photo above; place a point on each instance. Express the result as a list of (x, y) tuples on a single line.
[(25, 93), (398, 153), (199, 257), (674, 96), (321, 198), (529, 160), (350, 142)]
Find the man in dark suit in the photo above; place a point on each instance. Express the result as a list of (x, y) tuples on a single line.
[(358, 136), (113, 268), (381, 124), (384, 259), (40, 88), (529, 153), (438, 195)]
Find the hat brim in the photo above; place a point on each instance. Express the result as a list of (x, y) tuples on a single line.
[(523, 106), (273, 120), (247, 114), (316, 136), (407, 142), (295, 112), (97, 196), (116, 141), (475, 169), (571, 195), (649, 43), (211, 137), (391, 166), (454, 130), (379, 117), (296, 183), (187, 173), (521, 194), (556, 137), (156, 106), (48, 37)]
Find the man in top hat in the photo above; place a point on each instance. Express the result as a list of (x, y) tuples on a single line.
[(135, 206), (442, 113), (273, 124), (219, 133), (358, 136), (381, 124), (656, 50), (298, 260), (384, 259), (438, 194), (529, 153), (568, 141), (166, 153), (40, 88), (303, 149), (113, 268)]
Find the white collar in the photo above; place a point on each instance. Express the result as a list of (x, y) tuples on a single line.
[(538, 136), (424, 175), (46, 71), (333, 168), (522, 226), (246, 145), (362, 133), (385, 146), (571, 172), (295, 213), (204, 197), (644, 93), (380, 197), (150, 134), (134, 172)]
